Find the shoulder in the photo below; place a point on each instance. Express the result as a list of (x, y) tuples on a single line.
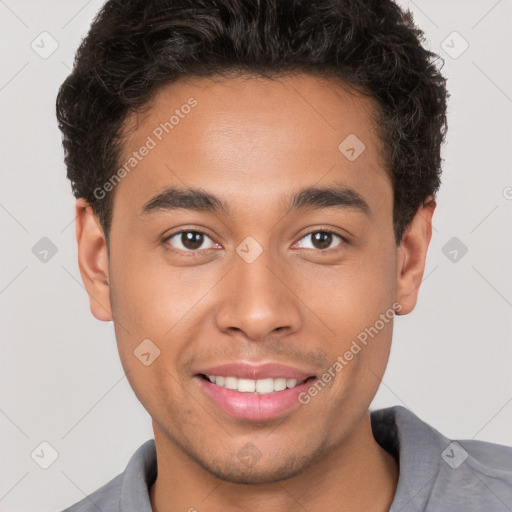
[(474, 475), (106, 498), (438, 473), (489, 455), (128, 491)]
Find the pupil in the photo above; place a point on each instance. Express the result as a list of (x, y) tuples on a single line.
[(192, 240), (322, 240)]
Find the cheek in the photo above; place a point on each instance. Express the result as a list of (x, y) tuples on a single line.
[(154, 301), (352, 296), (355, 305), (148, 304), (151, 296)]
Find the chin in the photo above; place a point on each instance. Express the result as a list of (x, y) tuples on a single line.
[(264, 470), (252, 476)]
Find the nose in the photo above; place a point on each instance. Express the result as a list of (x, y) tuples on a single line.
[(258, 299)]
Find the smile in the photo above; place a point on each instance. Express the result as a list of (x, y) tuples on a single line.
[(253, 399), (259, 386)]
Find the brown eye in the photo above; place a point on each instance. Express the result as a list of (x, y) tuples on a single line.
[(192, 240), (320, 240), (189, 241)]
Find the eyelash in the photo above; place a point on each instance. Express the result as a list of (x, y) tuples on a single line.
[(180, 252), (170, 248)]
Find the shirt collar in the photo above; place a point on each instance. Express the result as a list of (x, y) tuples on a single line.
[(418, 447), (139, 476), (400, 432)]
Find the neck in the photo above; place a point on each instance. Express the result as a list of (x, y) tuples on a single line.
[(357, 476)]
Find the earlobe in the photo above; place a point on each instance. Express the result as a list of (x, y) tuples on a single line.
[(93, 260), (412, 254)]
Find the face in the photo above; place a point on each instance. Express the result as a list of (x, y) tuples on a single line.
[(246, 235)]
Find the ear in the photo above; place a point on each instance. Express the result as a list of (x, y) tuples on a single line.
[(93, 260), (412, 253)]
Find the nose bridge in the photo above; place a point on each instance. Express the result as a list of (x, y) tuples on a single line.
[(254, 298)]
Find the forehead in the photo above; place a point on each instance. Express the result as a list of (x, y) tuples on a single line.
[(236, 136)]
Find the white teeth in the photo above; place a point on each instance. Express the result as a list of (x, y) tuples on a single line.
[(291, 383), (231, 382), (261, 386), (246, 385), (279, 384), (264, 386)]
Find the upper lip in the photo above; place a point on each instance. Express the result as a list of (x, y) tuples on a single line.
[(256, 372)]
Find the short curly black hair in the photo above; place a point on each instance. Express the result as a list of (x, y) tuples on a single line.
[(134, 47)]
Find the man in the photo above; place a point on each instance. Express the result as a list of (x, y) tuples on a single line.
[(255, 185)]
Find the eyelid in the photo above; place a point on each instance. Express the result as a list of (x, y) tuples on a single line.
[(324, 230), (170, 248), (175, 250)]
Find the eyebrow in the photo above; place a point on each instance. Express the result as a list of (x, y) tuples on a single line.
[(327, 197), (195, 199)]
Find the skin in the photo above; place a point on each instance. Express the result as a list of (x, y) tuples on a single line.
[(255, 142)]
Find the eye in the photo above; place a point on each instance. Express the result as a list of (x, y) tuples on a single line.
[(320, 240), (190, 241)]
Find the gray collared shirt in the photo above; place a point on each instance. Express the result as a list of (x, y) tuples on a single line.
[(436, 473)]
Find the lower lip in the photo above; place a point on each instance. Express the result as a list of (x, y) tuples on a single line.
[(253, 406)]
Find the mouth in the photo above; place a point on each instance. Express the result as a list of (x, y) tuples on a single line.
[(254, 400), (255, 386)]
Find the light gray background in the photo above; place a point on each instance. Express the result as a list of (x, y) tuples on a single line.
[(60, 375)]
